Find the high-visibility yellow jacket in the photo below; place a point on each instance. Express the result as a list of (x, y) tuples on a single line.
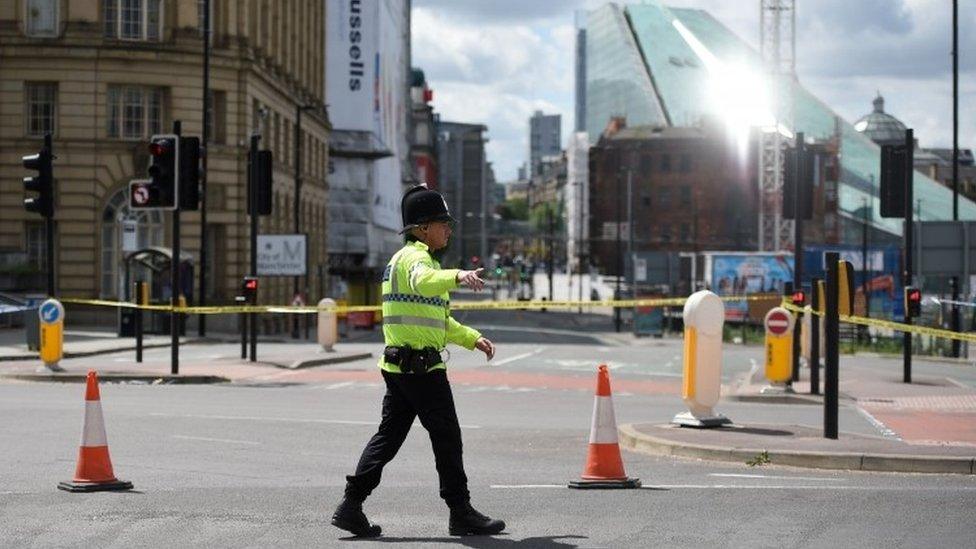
[(416, 304)]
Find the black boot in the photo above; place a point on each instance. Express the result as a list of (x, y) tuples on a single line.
[(466, 521), (349, 516)]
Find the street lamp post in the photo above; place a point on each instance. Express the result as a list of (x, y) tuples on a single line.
[(299, 108)]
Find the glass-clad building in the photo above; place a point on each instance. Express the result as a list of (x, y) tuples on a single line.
[(665, 66)]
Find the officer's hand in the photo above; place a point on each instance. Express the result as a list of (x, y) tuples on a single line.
[(485, 346), (471, 279)]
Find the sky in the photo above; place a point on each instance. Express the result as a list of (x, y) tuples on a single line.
[(495, 62)]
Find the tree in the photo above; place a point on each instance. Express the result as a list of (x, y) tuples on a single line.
[(515, 209)]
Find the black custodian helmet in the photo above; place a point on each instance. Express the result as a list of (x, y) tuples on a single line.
[(421, 205)]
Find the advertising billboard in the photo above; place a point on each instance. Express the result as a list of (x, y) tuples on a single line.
[(743, 275), (366, 89)]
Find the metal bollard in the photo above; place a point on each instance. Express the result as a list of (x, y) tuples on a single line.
[(704, 317)]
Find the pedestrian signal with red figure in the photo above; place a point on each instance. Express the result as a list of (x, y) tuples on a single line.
[(94, 471), (604, 466)]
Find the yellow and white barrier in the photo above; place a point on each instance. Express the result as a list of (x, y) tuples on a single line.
[(51, 315), (328, 330), (704, 318), (779, 324)]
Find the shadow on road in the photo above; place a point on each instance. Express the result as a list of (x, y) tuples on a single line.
[(483, 542)]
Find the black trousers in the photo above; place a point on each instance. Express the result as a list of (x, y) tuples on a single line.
[(427, 396)]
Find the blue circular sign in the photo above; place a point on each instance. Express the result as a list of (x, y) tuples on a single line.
[(50, 312)]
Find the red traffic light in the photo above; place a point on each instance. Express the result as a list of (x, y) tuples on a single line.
[(915, 295), (799, 298), (159, 148), (251, 284)]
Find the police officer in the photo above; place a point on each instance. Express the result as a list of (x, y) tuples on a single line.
[(417, 325)]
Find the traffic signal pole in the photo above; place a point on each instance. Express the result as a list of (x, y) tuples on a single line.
[(252, 190), (799, 213), (49, 226), (174, 317), (832, 354), (908, 240)]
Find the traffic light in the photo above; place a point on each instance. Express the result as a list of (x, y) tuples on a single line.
[(42, 183), (262, 177), (893, 175), (798, 178), (913, 302), (189, 167), (799, 298), (249, 289), (164, 174)]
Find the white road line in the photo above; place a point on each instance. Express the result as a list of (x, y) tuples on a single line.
[(957, 383), (519, 357), (339, 385), (281, 419), (208, 439), (739, 475), (885, 431), (760, 487)]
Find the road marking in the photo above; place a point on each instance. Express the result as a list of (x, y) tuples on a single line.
[(885, 431), (740, 475), (519, 357), (957, 383), (281, 419), (208, 439), (339, 385), (760, 487)]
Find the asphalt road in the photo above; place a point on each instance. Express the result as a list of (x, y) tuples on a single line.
[(263, 464)]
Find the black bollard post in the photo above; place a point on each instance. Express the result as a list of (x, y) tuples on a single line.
[(816, 300), (832, 357)]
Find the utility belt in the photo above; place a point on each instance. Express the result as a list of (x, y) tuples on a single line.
[(413, 361)]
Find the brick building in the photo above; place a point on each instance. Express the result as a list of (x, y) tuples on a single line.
[(104, 75)]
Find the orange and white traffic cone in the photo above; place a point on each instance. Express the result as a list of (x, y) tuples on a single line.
[(94, 471), (604, 467)]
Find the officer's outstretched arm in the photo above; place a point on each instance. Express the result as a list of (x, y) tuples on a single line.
[(459, 334), (430, 282)]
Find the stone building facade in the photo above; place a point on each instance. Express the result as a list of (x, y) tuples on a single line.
[(104, 75)]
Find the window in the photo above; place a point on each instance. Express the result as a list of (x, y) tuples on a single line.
[(685, 196), (665, 232), (42, 17), (665, 198), (35, 244), (217, 116), (41, 104), (134, 112), (665, 163), (646, 200), (646, 164), (685, 232), (686, 163), (132, 19)]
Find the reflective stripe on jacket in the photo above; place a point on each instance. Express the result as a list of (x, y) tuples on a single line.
[(416, 305)]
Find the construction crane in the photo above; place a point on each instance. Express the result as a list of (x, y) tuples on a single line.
[(777, 46)]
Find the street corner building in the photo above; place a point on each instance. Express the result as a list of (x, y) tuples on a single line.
[(102, 76)]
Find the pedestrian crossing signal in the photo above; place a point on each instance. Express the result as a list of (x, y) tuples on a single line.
[(799, 298), (913, 302)]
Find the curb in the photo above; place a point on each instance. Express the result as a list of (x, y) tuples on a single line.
[(634, 440), (164, 379), (81, 354), (322, 361)]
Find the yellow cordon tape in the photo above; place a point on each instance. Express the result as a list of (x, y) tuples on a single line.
[(457, 306), (890, 324)]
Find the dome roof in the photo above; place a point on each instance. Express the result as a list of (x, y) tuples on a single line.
[(880, 126)]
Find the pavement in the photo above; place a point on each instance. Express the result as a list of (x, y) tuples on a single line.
[(274, 354), (928, 426)]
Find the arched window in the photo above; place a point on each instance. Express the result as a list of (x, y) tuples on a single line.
[(149, 232)]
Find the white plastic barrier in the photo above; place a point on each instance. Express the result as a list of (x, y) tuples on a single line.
[(328, 331), (704, 317)]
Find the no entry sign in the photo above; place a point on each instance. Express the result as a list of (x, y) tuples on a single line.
[(778, 321)]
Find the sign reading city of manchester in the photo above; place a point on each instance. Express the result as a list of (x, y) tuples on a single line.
[(282, 254)]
